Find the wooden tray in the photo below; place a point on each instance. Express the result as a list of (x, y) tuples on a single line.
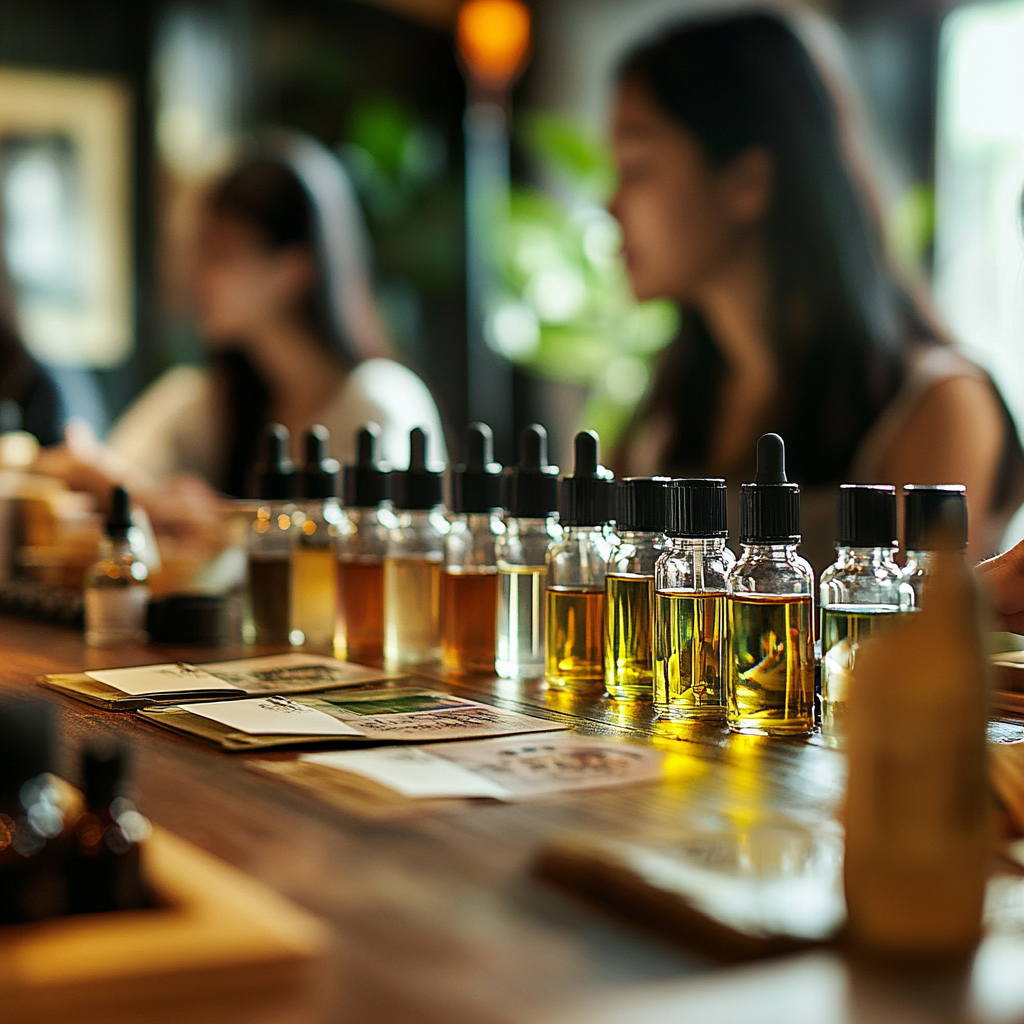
[(219, 943)]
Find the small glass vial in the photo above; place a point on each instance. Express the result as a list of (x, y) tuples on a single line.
[(531, 526), (362, 543), (469, 584), (269, 618), (691, 604), (860, 592), (771, 607), (314, 577), (934, 519), (577, 566), (640, 519), (116, 591), (414, 561)]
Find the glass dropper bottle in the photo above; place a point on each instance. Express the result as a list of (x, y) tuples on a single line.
[(362, 541), (771, 607), (469, 585), (934, 518), (531, 525)]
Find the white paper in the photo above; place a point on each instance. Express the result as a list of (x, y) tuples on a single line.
[(412, 772), (292, 673), (154, 680), (271, 716)]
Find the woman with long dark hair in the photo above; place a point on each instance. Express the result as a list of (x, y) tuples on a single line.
[(739, 201), (286, 310)]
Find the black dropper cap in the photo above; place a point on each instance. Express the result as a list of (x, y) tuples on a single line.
[(641, 504), (369, 481), (587, 498), (866, 516), (476, 483), (419, 487), (697, 507), (319, 476), (770, 506), (533, 484), (275, 477), (934, 516), (119, 521)]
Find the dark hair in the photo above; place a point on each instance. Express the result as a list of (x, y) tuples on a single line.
[(267, 195), (841, 322)]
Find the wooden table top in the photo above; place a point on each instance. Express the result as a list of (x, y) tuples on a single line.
[(437, 917)]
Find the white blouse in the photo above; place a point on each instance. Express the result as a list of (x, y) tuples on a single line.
[(174, 426)]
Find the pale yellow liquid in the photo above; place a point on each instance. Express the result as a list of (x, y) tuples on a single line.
[(314, 595), (628, 671), (412, 609), (575, 640), (520, 650)]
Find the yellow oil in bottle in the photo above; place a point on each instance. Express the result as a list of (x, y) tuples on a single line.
[(469, 600), (521, 627), (844, 628), (314, 595), (575, 636), (690, 631), (771, 664), (628, 668), (412, 609), (269, 597)]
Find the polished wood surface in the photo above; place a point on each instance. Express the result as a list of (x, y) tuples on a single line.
[(438, 916)]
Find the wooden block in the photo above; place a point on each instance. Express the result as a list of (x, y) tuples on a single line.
[(218, 938)]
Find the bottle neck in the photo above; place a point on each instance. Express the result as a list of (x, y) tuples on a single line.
[(769, 552), (702, 545), (851, 554), (119, 546)]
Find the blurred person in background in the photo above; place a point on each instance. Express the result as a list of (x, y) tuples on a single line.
[(740, 201), (285, 306)]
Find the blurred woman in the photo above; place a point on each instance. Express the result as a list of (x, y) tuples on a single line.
[(286, 310), (738, 201)]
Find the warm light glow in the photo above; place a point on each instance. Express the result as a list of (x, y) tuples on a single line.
[(494, 39)]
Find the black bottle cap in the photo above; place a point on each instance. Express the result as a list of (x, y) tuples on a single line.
[(641, 504), (319, 476), (369, 481), (119, 521), (698, 507), (275, 477), (476, 483), (770, 506), (866, 516), (934, 516), (26, 745), (419, 486), (533, 484), (587, 498)]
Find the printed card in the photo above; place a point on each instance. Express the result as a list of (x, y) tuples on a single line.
[(271, 716), (157, 680)]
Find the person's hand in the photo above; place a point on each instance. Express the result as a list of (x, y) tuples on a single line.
[(1003, 577)]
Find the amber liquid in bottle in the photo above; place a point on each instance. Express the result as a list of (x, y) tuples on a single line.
[(412, 595), (689, 659), (270, 597), (361, 608), (314, 596), (469, 599), (575, 637), (627, 656), (771, 664)]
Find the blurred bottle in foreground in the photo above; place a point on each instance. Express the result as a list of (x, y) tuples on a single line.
[(469, 586), (926, 507), (116, 588)]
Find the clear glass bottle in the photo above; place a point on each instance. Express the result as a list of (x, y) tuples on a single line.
[(934, 518), (860, 593), (116, 587), (640, 518), (771, 607), (469, 584), (363, 532), (314, 577), (577, 567), (268, 618), (691, 603), (414, 561), (531, 526)]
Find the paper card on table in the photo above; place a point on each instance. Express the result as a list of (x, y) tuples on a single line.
[(293, 673), (151, 680), (271, 716), (412, 772)]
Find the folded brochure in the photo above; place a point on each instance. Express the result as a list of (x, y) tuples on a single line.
[(371, 716), (128, 688)]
